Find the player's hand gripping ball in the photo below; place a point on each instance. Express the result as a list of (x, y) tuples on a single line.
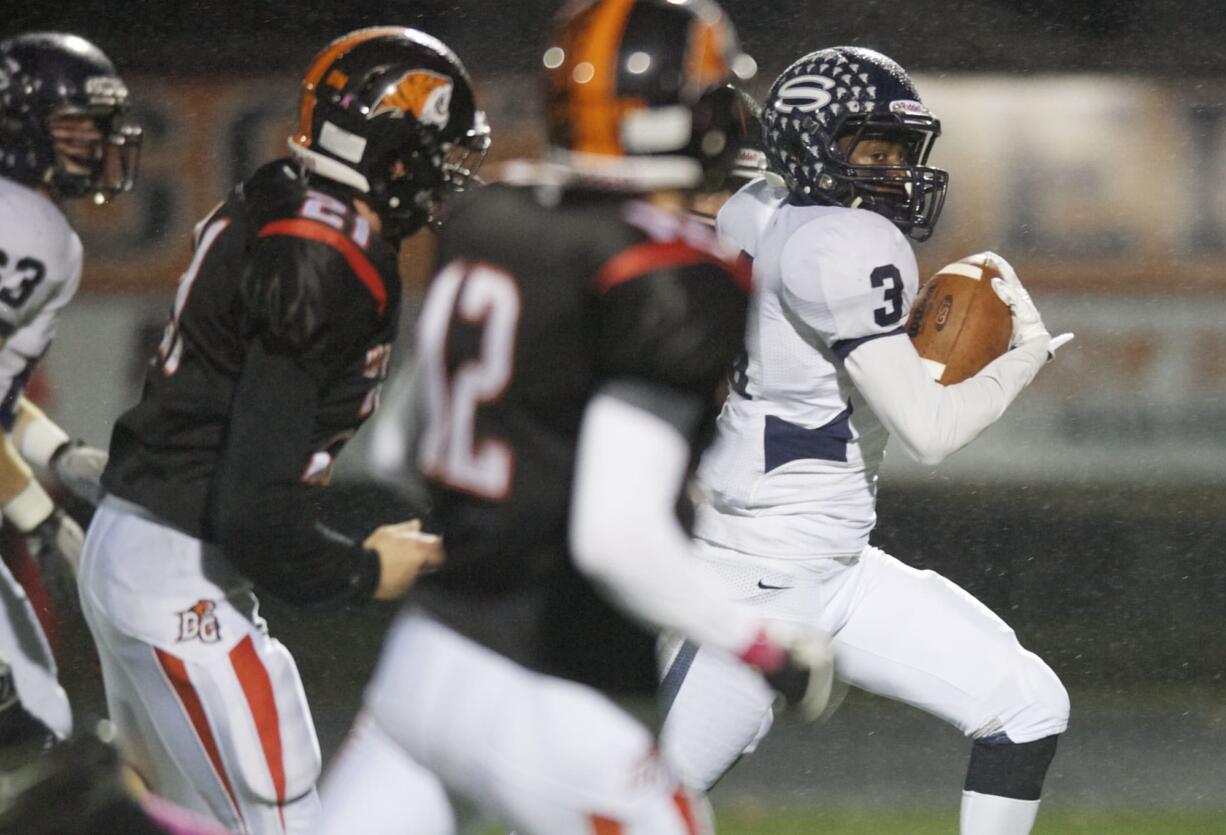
[(958, 324)]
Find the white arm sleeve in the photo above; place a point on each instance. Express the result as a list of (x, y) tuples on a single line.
[(624, 533), (933, 421)]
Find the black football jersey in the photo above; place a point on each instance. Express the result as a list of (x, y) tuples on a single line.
[(287, 263), (542, 298)]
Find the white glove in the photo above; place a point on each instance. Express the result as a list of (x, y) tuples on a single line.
[(1027, 323), (798, 663), (79, 468)]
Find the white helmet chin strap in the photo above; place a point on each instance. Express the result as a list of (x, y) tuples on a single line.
[(317, 163)]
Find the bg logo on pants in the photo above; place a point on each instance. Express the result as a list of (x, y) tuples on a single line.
[(199, 623)]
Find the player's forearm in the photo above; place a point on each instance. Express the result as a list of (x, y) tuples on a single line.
[(25, 503), (625, 535), (15, 473), (271, 534), (36, 436), (262, 515), (932, 421)]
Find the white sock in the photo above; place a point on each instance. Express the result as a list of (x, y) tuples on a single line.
[(988, 814)]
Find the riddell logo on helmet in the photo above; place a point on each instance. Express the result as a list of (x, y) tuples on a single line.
[(106, 87), (805, 93), (425, 94), (908, 106), (199, 623)]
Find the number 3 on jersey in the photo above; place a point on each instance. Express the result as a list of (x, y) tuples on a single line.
[(484, 298), (890, 278)]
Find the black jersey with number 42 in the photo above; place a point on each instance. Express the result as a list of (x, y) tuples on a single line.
[(541, 299), (285, 261)]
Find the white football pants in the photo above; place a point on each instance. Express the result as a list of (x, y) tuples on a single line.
[(908, 635), (24, 647), (541, 754), (208, 707)]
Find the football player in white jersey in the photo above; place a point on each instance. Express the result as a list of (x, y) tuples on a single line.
[(63, 135), (829, 376)]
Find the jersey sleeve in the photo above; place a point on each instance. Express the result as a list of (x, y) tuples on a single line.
[(742, 218), (850, 278), (670, 314), (261, 513), (311, 293), (40, 261)]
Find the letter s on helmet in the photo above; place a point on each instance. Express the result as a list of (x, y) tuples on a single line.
[(848, 91)]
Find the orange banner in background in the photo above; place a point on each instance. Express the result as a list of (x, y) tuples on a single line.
[(201, 138), (1086, 182)]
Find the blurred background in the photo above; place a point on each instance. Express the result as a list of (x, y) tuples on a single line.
[(1086, 142)]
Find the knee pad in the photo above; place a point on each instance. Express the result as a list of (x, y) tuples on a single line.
[(1004, 768), (1040, 704)]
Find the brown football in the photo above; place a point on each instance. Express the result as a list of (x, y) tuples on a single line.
[(958, 324)]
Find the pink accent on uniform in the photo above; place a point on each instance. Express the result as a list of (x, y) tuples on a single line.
[(763, 653), (178, 821)]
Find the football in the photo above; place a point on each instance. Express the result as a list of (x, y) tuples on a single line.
[(958, 324)]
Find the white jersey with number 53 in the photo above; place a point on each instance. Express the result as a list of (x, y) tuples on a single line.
[(40, 267), (793, 472)]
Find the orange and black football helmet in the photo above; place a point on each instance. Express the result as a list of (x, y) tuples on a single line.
[(637, 91), (390, 112)]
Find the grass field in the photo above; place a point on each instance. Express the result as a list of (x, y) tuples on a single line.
[(1051, 822)]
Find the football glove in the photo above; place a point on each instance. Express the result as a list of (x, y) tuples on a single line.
[(1027, 323), (56, 546), (79, 468), (798, 663)]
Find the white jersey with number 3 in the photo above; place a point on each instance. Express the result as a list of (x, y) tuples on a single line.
[(40, 267), (793, 471)]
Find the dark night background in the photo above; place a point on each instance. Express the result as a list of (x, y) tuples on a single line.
[(1176, 38), (1121, 588)]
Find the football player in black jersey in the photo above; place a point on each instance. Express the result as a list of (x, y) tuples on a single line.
[(569, 354), (277, 344)]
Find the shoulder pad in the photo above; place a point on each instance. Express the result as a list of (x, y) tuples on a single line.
[(742, 218), (848, 273)]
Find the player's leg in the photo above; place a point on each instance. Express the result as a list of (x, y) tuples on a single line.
[(209, 707), (715, 710), (915, 637), (374, 781), (24, 647), (541, 754)]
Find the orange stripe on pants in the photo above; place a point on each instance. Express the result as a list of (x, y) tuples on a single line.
[(176, 672), (257, 687)]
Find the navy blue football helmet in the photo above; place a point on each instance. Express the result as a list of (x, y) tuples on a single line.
[(48, 75), (825, 103)]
